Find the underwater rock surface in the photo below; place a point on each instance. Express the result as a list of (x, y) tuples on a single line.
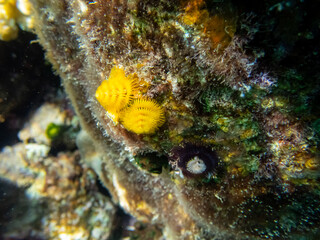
[(49, 194), (252, 133)]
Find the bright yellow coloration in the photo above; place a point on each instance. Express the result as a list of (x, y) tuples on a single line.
[(115, 93), (8, 9), (143, 116), (13, 12), (8, 31), (119, 96), (8, 28)]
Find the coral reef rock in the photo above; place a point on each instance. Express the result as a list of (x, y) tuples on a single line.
[(47, 196), (194, 61)]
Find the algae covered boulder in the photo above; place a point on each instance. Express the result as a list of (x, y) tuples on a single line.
[(188, 114)]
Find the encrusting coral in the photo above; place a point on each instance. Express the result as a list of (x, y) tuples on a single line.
[(214, 90)]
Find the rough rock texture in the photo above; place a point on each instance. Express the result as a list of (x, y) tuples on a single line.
[(193, 58), (47, 196)]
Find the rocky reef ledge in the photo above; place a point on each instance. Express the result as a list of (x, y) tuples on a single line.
[(199, 117)]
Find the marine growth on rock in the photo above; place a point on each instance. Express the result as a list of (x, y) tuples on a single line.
[(194, 161), (148, 78)]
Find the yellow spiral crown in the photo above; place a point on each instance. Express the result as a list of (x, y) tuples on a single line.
[(115, 93), (143, 116)]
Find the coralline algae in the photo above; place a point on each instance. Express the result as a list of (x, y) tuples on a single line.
[(194, 59)]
